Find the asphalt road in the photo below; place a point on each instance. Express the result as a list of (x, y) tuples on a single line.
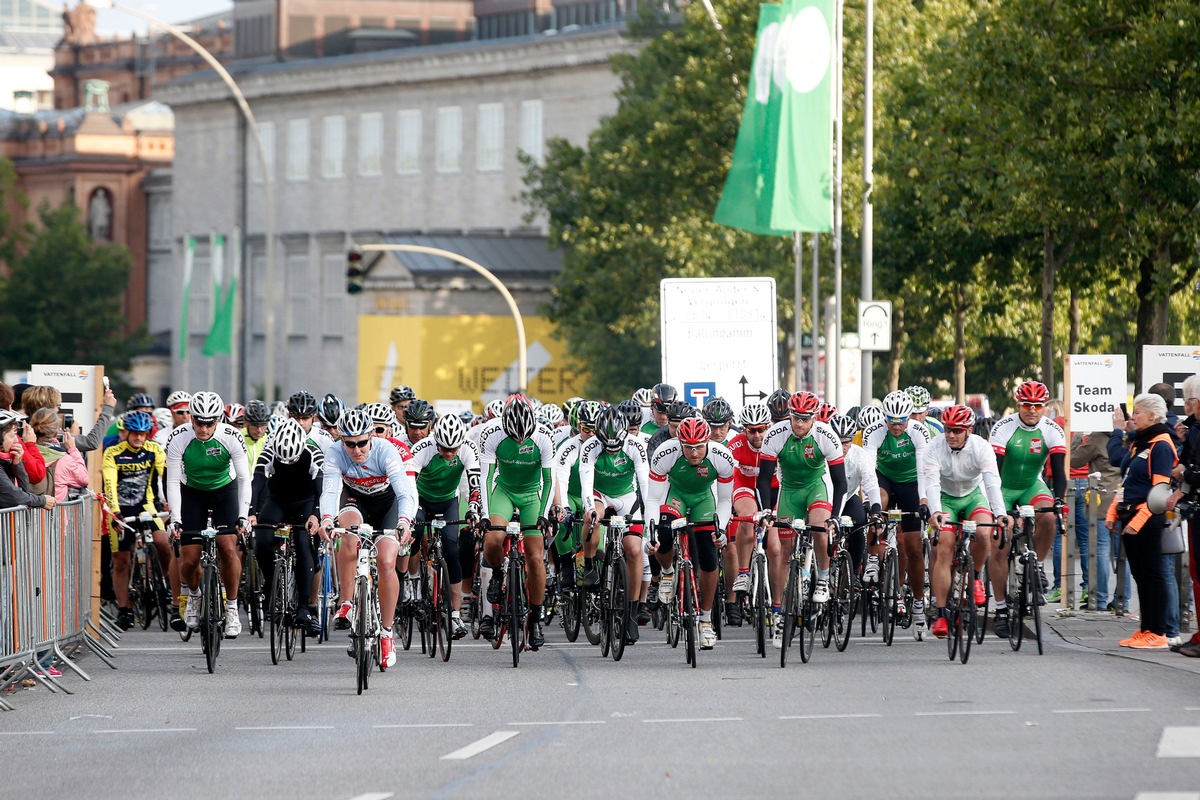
[(872, 721)]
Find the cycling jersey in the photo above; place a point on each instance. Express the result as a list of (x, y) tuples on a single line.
[(383, 472), (438, 478), (685, 488), (860, 476), (1025, 449), (804, 462), (953, 473), (320, 438), (560, 435), (207, 466), (566, 474), (897, 457), (745, 480), (520, 471), (129, 476), (288, 483), (613, 475)]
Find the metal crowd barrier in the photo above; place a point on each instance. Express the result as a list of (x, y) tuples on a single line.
[(45, 592)]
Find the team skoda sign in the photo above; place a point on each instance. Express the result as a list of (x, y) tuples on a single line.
[(875, 324), (1095, 387), (719, 338)]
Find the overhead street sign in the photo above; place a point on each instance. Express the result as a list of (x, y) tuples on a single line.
[(875, 324)]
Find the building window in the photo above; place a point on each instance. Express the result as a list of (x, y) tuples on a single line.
[(490, 141), (449, 139), (266, 130), (370, 144), (299, 151), (408, 141), (532, 140), (333, 148), (300, 289), (333, 301)]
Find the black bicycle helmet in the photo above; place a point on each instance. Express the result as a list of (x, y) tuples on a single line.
[(330, 410), (611, 429), (679, 410), (632, 412), (302, 404), (778, 404), (717, 411), (401, 394), (257, 413), (662, 395), (139, 400), (419, 414)]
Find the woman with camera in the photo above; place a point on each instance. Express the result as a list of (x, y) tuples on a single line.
[(65, 469), (15, 486)]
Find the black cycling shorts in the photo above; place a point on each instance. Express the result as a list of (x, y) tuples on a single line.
[(904, 496)]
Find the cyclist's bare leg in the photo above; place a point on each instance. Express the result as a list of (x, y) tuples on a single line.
[(817, 517), (998, 569), (347, 555), (708, 586), (981, 547), (1043, 531), (535, 568), (914, 561), (386, 549), (231, 565), (121, 570), (633, 565), (777, 562)]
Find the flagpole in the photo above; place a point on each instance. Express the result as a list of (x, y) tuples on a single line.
[(868, 212), (816, 311), (798, 322), (235, 267), (216, 301), (835, 347)]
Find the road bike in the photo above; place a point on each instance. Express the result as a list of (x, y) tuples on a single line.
[(149, 591), (1024, 590), (758, 598), (514, 612), (284, 602), (366, 622), (614, 593), (799, 610)]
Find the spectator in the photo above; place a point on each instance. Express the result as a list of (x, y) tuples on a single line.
[(15, 486), (1090, 455), (6, 397), (36, 397), (1188, 472), (1167, 392), (65, 469), (1149, 461)]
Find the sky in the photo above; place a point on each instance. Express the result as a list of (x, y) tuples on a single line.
[(110, 21)]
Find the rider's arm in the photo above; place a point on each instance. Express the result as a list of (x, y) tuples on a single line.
[(660, 466), (470, 460), (175, 447), (990, 473), (331, 485), (403, 483), (723, 461), (773, 443), (562, 471), (316, 471), (109, 470), (546, 446), (159, 474), (241, 467), (641, 466), (1058, 474), (920, 439), (587, 471), (930, 466), (868, 481), (491, 481), (258, 482)]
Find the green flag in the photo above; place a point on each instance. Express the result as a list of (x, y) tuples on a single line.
[(220, 336), (189, 256), (781, 179)]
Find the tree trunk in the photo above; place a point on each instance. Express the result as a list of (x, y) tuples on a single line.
[(896, 357), (1153, 309), (1048, 269), (960, 345), (1076, 320)]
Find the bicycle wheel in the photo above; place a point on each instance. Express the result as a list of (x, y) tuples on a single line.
[(428, 612), (593, 619), (162, 591), (141, 596), (214, 616), (445, 634), (673, 624), (516, 618), (604, 598), (618, 612), (275, 618), (982, 614), (1016, 603), (718, 604), (761, 603), (362, 651), (253, 592), (323, 601), (954, 608), (289, 611), (476, 603), (808, 619), (687, 589), (843, 598), (967, 609), (1033, 583), (889, 588), (570, 614), (790, 610)]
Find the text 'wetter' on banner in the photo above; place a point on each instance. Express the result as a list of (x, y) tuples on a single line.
[(719, 338)]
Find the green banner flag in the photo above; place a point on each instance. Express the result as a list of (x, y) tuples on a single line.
[(220, 336), (189, 256), (781, 179)]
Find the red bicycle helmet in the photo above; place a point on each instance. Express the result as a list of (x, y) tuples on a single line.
[(805, 403), (1032, 392), (693, 430), (959, 417), (825, 412)]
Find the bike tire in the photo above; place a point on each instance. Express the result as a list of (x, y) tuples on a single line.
[(808, 620), (445, 627), (213, 616), (1016, 604), (1034, 582), (570, 614), (843, 597), (323, 603), (140, 584), (362, 654), (718, 605), (967, 610), (761, 602), (982, 614), (604, 599), (954, 608), (516, 620), (673, 623), (289, 613), (593, 619), (790, 610), (162, 592), (889, 596), (618, 610), (253, 595), (689, 614), (275, 619), (404, 626)]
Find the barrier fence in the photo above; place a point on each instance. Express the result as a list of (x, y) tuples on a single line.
[(45, 593)]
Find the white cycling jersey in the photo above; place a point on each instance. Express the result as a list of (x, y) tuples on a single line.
[(960, 472), (860, 476)]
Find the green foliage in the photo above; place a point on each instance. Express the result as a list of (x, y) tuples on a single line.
[(61, 302)]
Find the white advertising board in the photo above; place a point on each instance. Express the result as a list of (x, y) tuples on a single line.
[(1170, 364), (79, 386), (719, 338), (875, 325), (1095, 387)]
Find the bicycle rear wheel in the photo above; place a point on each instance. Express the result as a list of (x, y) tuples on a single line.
[(718, 604), (445, 633), (889, 595), (323, 601), (404, 625), (761, 601), (362, 649), (516, 619), (570, 614), (843, 598), (604, 598), (213, 617), (981, 616), (790, 610), (618, 612), (252, 591), (1033, 583), (593, 619), (688, 603), (162, 591), (275, 618), (808, 619), (967, 609), (1016, 603), (289, 610), (141, 595)]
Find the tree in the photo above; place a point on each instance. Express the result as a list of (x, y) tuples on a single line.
[(61, 302)]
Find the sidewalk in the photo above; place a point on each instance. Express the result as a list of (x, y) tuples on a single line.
[(1100, 631)]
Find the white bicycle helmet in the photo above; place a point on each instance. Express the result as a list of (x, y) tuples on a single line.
[(493, 409), (550, 414), (643, 397), (920, 397), (870, 416), (355, 422), (897, 405), (162, 418), (381, 414), (177, 397), (755, 414), (449, 432), (206, 407), (845, 427), (288, 442)]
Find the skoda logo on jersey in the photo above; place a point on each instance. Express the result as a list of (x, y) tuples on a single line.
[(1035, 446), (526, 450)]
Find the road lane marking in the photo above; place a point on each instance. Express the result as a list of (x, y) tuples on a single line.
[(961, 713), (427, 725), (475, 748), (1179, 743), (286, 728), (147, 730), (26, 733), (564, 722), (1168, 796), (833, 716), (374, 796), (698, 719), (1097, 710)]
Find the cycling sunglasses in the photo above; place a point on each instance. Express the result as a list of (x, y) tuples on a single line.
[(354, 445), (1032, 406), (755, 428), (896, 420)]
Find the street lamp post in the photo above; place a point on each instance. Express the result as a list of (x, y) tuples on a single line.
[(522, 366), (272, 288)]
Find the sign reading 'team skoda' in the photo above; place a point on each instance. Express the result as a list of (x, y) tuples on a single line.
[(720, 331)]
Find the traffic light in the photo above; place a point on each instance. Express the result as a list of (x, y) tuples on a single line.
[(355, 273)]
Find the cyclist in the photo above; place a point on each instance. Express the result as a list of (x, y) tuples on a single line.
[(861, 485), (661, 397), (329, 412), (178, 403), (683, 475), (1023, 441), (201, 455), (719, 416), (365, 481), (518, 458), (613, 474), (286, 489), (441, 460), (399, 398), (386, 425), (568, 498), (806, 451), (957, 465), (677, 412), (745, 448), (254, 434), (302, 407), (418, 421), (235, 414), (867, 417), (777, 404), (133, 470), (896, 445), (921, 400)]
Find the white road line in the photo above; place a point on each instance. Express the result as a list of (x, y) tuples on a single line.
[(961, 713), (1191, 708), (1167, 796), (698, 719), (564, 722), (475, 748), (374, 796), (26, 733), (286, 728), (1179, 743), (147, 730), (427, 725), (833, 716), (1097, 710)]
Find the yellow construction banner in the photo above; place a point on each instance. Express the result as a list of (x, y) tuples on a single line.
[(465, 357)]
